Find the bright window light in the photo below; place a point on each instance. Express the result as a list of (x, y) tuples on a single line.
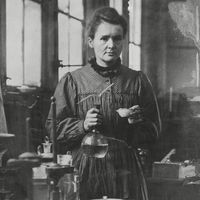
[(23, 42), (135, 11), (70, 35)]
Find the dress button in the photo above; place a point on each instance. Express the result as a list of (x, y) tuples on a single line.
[(108, 81)]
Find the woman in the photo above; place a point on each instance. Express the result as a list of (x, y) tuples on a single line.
[(118, 174)]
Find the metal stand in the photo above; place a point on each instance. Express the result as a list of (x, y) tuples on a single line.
[(55, 171)]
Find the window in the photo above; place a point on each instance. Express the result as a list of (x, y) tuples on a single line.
[(70, 35), (183, 45), (37, 36), (135, 9), (23, 42)]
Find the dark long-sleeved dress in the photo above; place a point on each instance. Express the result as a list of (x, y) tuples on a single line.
[(119, 174)]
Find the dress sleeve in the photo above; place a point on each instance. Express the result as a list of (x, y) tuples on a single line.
[(69, 127), (148, 131)]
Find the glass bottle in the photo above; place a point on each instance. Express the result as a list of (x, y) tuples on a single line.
[(94, 144), (70, 188)]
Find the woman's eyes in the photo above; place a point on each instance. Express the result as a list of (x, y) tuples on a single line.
[(115, 39), (105, 38)]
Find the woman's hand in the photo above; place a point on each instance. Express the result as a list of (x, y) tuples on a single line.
[(136, 115), (93, 118)]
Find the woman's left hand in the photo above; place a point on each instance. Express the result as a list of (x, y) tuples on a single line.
[(136, 115)]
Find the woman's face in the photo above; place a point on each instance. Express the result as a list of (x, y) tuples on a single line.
[(107, 43)]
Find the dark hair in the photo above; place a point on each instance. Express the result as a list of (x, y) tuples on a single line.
[(106, 14)]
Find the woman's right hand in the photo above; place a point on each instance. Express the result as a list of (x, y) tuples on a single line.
[(92, 118)]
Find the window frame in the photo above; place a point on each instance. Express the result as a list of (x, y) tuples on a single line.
[(83, 23), (3, 65), (49, 55)]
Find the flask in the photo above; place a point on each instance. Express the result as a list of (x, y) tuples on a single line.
[(70, 189), (94, 144)]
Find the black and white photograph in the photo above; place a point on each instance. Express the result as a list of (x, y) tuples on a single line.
[(99, 99)]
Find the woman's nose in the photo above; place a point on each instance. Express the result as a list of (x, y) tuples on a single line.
[(110, 43)]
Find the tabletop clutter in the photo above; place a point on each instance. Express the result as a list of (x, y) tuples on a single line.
[(175, 170), (61, 177)]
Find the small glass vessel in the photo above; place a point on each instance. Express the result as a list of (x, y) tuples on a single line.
[(94, 144)]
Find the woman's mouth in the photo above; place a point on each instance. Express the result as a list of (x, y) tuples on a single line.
[(110, 53)]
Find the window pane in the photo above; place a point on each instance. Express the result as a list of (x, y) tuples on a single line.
[(63, 41), (69, 43), (14, 26), (75, 42), (134, 57), (70, 36), (135, 21), (76, 8), (117, 4), (32, 43)]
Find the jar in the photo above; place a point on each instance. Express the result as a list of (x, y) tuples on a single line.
[(69, 187)]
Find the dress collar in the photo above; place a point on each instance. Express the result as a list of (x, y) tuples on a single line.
[(106, 71)]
